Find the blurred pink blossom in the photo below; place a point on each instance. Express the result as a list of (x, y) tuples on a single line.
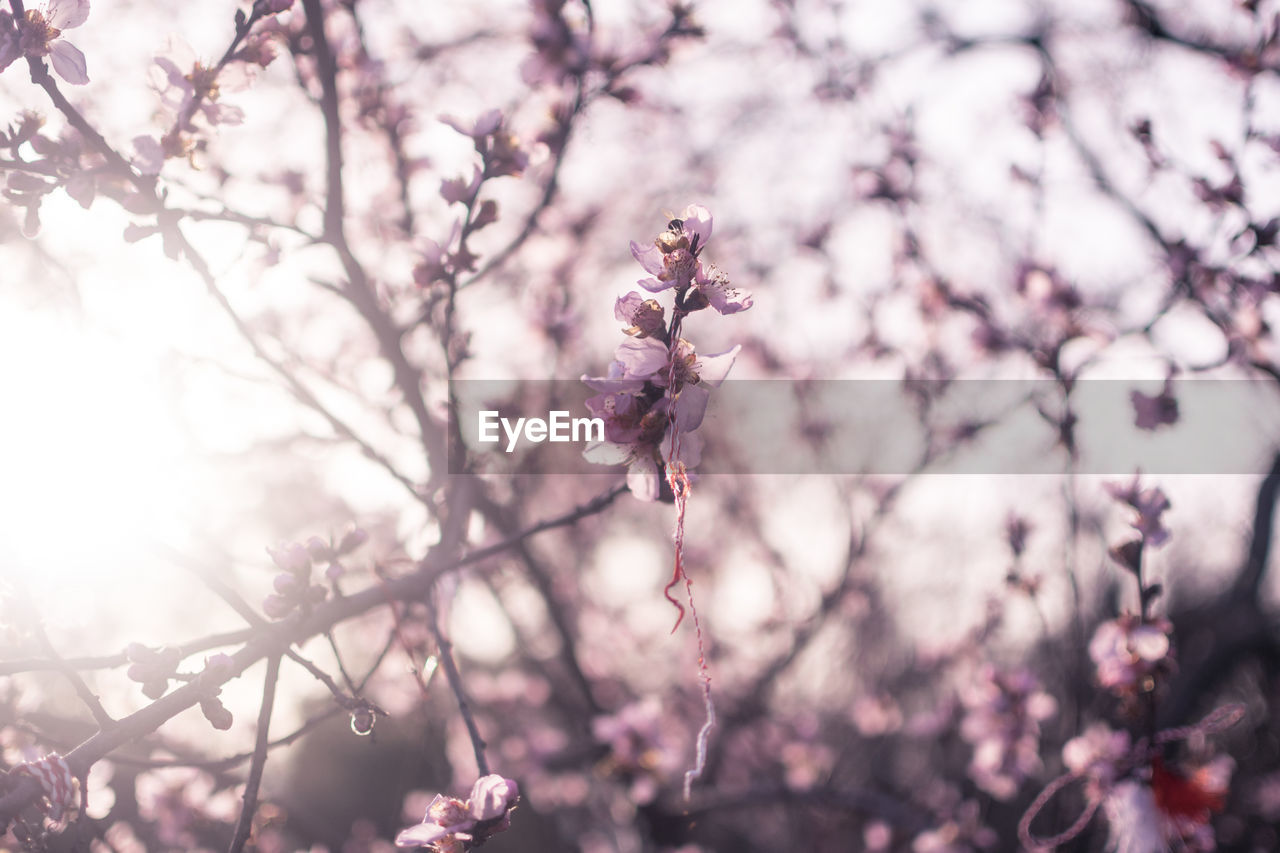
[(1127, 651)]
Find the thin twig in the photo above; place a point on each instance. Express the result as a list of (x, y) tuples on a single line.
[(455, 684), (245, 824)]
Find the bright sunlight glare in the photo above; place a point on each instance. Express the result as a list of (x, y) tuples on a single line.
[(91, 465)]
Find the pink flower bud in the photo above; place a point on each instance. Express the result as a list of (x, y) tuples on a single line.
[(491, 796)]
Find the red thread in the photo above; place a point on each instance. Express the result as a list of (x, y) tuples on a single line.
[(678, 479)]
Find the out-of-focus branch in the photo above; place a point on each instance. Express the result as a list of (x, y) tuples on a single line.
[(1249, 582), (455, 684), (413, 586), (261, 747), (358, 288), (542, 580), (860, 802)]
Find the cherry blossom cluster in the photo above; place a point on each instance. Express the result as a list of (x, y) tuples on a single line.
[(453, 826), (1129, 653), (293, 587), (501, 155), (1148, 505), (639, 748), (155, 668), (656, 390), (190, 89), (1004, 713)]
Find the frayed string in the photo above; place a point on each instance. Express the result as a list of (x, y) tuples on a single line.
[(678, 479), (1215, 721)]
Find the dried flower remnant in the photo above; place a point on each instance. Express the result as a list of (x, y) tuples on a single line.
[(453, 826)]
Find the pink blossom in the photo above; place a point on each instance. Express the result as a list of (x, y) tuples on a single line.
[(560, 52), (188, 88), (641, 357), (499, 149), (639, 746), (695, 376), (1149, 504), (714, 285), (452, 826), (673, 261), (293, 587), (39, 34), (645, 461), (1127, 651), (1005, 710), (152, 668), (643, 316), (1098, 755)]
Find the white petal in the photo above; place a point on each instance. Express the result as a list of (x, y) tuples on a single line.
[(642, 356), (69, 62), (1149, 643), (712, 369), (66, 14), (697, 220), (606, 453), (422, 835), (642, 479)]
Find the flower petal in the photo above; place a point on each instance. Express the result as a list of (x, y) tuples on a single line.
[(642, 356), (66, 14), (697, 222), (616, 382), (424, 834), (485, 125), (728, 300), (688, 449), (491, 796), (653, 285), (606, 453), (148, 155), (691, 405), (650, 257), (712, 369), (69, 62), (642, 479)]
